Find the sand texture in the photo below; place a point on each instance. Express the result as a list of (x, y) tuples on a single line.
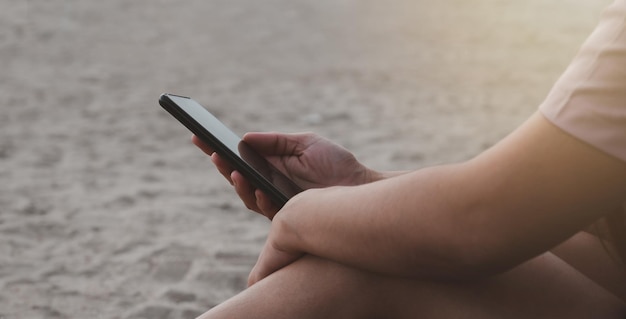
[(108, 211)]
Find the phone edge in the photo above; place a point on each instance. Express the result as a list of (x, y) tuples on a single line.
[(196, 128)]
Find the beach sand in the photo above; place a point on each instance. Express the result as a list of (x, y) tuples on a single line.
[(108, 211)]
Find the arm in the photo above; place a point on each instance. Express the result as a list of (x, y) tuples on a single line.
[(525, 195), (308, 159)]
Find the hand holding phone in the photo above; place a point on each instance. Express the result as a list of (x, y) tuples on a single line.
[(243, 158), (310, 160)]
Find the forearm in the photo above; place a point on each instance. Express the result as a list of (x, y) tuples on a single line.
[(511, 203), (375, 176), (407, 225)]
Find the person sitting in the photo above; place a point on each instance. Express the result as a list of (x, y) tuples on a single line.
[(533, 227)]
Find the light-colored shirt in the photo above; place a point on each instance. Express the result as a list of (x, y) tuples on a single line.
[(589, 99)]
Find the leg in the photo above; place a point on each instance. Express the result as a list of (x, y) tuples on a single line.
[(586, 253), (545, 287), (309, 288)]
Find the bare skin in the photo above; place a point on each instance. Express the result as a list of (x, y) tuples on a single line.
[(545, 287), (383, 278)]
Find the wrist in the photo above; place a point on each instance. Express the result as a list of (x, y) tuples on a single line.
[(295, 226), (374, 176), (285, 231)]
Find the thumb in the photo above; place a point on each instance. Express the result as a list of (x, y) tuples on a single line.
[(277, 144)]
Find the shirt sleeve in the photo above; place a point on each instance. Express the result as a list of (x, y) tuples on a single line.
[(589, 99)]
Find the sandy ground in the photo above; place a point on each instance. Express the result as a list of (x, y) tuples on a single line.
[(108, 211)]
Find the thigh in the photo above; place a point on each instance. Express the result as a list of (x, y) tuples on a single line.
[(544, 287), (587, 253), (311, 287)]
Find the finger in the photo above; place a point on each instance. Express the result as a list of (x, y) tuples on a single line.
[(270, 261), (278, 143), (255, 274), (205, 148), (245, 191), (267, 207), (223, 167)]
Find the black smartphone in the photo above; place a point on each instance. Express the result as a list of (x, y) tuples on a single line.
[(230, 147)]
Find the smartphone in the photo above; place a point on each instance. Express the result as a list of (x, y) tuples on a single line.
[(230, 147)]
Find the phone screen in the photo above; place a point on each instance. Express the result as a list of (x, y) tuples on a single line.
[(229, 145)]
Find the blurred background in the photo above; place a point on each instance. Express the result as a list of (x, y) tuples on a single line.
[(108, 211)]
